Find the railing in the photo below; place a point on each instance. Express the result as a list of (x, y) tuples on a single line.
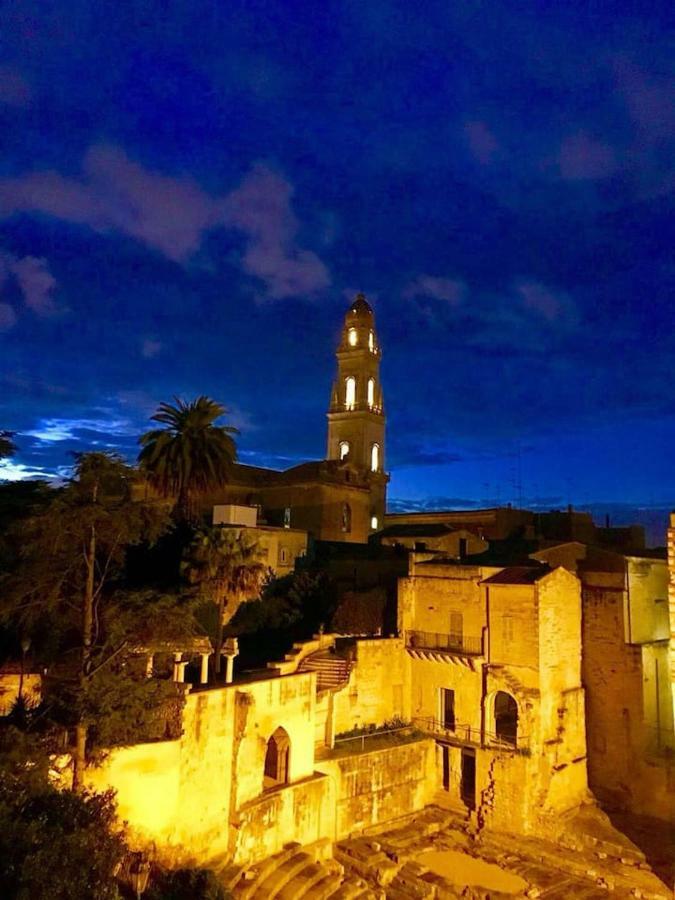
[(449, 643), (467, 736), (369, 735)]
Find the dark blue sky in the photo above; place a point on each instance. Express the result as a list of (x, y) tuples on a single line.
[(190, 193)]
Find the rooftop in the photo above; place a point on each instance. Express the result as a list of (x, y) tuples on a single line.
[(518, 575)]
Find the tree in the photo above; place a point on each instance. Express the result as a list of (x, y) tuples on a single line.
[(225, 566), (7, 445), (190, 455), (54, 845), (71, 574)]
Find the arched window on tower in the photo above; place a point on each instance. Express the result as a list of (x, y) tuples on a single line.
[(375, 458), (346, 518), (371, 392), (352, 337), (350, 392), (371, 341), (277, 760), (344, 449)]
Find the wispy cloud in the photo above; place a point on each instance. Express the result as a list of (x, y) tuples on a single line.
[(450, 290), (172, 214), (481, 141), (583, 157), (55, 430), (150, 348), (552, 305), (35, 284)]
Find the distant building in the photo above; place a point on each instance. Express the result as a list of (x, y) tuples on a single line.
[(341, 498)]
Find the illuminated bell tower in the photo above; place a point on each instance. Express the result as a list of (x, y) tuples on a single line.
[(356, 415)]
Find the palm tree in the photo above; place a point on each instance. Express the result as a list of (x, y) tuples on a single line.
[(190, 454), (225, 567), (7, 445)]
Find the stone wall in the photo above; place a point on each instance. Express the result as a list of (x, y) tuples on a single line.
[(377, 787)]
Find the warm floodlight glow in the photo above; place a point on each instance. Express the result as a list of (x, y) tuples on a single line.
[(375, 457), (371, 392), (371, 341), (344, 449), (352, 337), (350, 392), (374, 523)]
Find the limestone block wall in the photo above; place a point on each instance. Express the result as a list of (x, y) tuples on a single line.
[(428, 601), (373, 788), (429, 677), (671, 602), (647, 615), (378, 688), (303, 812)]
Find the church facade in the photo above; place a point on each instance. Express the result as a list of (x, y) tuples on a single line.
[(343, 497)]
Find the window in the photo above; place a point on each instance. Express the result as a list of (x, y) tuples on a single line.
[(447, 699), (283, 556), (462, 547), (350, 392), (374, 523), (352, 337), (371, 341), (276, 760), (456, 628), (375, 457), (344, 449), (287, 517), (346, 518), (371, 392)]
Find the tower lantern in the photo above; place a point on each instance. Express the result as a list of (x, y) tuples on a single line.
[(356, 415)]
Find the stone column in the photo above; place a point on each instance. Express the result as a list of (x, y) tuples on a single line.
[(330, 722), (204, 670), (177, 662), (149, 665), (230, 651)]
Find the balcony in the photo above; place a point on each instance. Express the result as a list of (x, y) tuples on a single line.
[(440, 647), (466, 736)]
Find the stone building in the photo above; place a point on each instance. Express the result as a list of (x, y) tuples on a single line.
[(341, 498), (495, 676), (625, 647)]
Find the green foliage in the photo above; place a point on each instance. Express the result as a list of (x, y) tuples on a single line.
[(54, 845), (190, 454), (186, 884), (361, 612)]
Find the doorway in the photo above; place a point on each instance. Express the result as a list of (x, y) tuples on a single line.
[(445, 750), (468, 783)]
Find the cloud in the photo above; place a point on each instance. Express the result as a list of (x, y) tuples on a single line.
[(554, 306), (14, 471), (14, 89), (172, 214), (55, 430), (584, 158), (36, 285), (261, 208), (151, 348), (482, 142), (450, 290)]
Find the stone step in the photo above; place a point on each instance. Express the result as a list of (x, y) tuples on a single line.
[(302, 882), (248, 884), (350, 889), (325, 888), (283, 875)]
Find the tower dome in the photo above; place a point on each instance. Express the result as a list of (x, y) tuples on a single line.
[(360, 308)]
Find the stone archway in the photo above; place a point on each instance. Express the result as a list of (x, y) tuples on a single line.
[(505, 718), (277, 759)]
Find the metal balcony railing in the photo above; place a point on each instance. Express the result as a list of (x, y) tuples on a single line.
[(466, 736), (462, 645)]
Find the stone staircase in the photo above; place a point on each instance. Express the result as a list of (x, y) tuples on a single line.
[(296, 873), (332, 671)]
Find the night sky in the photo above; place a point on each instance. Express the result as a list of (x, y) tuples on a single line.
[(191, 194)]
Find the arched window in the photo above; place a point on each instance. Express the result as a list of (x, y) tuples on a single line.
[(506, 718), (350, 392), (375, 458), (346, 518), (374, 523), (344, 449), (371, 392), (371, 341), (352, 337), (277, 760)]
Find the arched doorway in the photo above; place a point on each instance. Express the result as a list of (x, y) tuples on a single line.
[(506, 718), (277, 760)]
